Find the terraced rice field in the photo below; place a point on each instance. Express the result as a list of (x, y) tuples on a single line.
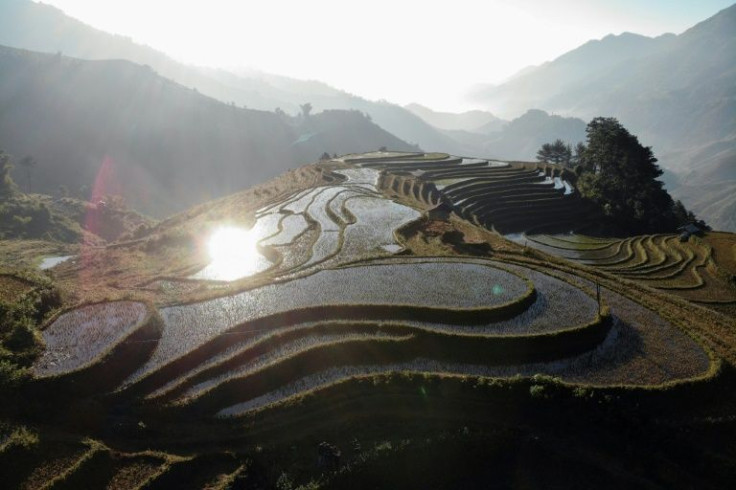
[(472, 317), (506, 197), (688, 268), (59, 463), (341, 303), (349, 316), (348, 220), (77, 338)]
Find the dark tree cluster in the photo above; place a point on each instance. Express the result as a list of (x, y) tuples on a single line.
[(558, 152), (621, 176), (8, 187), (561, 153)]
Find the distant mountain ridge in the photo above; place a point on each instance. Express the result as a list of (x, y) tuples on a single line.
[(39, 27), (535, 87), (161, 145), (472, 121), (677, 93), (673, 91), (522, 137)]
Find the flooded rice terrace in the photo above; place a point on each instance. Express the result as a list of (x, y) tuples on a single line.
[(352, 219)]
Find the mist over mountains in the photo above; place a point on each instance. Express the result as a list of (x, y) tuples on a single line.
[(677, 93), (161, 145), (472, 121), (44, 28)]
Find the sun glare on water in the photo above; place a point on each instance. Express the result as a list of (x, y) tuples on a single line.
[(234, 254)]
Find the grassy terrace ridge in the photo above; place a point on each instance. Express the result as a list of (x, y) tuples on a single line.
[(689, 269), (393, 322)]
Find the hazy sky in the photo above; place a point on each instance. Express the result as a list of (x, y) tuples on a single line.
[(404, 51)]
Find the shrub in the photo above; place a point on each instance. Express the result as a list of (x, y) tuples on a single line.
[(537, 391), (21, 336), (11, 375), (22, 438)]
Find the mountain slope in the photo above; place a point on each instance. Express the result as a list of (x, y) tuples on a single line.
[(381, 314), (677, 93), (574, 70), (673, 90), (121, 127), (473, 121), (522, 137), (38, 27)]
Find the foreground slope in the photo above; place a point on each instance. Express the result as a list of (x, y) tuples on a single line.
[(365, 313)]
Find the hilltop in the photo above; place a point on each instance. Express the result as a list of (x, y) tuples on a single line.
[(469, 319)]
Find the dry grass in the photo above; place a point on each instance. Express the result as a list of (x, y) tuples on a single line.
[(12, 288), (19, 255), (724, 249), (698, 270), (58, 459), (134, 470)]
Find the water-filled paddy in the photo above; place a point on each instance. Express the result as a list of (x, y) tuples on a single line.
[(76, 338), (49, 262), (376, 221), (291, 226), (362, 175), (435, 285)]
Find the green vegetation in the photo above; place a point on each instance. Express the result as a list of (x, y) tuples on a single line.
[(557, 152), (620, 175), (20, 316), (8, 188), (24, 216), (63, 219)]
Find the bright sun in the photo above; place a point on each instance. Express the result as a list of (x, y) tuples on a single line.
[(234, 254), (231, 243)]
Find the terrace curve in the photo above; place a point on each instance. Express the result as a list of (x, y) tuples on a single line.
[(77, 338), (378, 292), (507, 197)]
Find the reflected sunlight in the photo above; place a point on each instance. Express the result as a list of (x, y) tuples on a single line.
[(234, 254)]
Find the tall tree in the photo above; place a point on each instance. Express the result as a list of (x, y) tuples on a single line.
[(558, 152), (578, 155), (545, 153), (7, 186), (620, 175), (28, 163)]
